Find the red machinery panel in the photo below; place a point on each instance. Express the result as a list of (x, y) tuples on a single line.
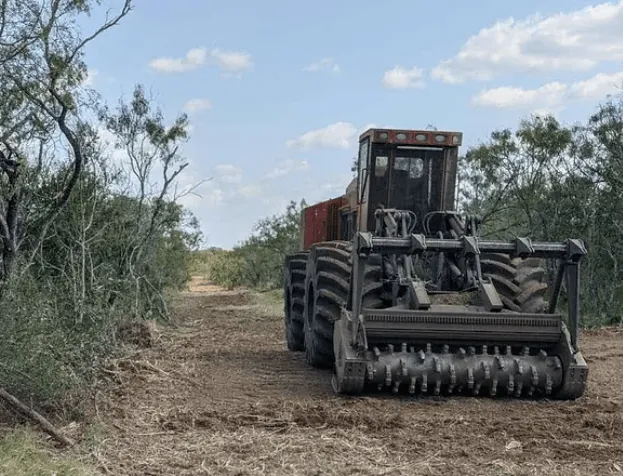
[(321, 222)]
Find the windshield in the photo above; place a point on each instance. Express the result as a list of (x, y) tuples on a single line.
[(405, 178), (414, 166), (410, 185)]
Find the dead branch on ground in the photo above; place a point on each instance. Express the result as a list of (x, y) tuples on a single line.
[(20, 408)]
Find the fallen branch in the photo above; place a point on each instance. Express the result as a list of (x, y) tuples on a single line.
[(35, 416)]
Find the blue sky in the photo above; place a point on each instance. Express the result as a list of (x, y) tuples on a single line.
[(277, 91)]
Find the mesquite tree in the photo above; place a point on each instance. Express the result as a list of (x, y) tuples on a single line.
[(89, 237), (42, 120), (551, 182), (153, 163)]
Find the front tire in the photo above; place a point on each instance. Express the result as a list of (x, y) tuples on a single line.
[(519, 282), (327, 284)]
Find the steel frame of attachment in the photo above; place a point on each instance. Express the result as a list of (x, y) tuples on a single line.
[(570, 252)]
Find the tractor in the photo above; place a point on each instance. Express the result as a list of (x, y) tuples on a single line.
[(394, 290)]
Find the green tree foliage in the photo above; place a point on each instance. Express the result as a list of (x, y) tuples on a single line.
[(552, 182), (89, 236), (257, 262)]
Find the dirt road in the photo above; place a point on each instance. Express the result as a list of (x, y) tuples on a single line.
[(221, 395)]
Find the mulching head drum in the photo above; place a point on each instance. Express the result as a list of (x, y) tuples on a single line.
[(467, 371)]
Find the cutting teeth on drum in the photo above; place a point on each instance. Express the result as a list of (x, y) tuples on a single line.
[(463, 372)]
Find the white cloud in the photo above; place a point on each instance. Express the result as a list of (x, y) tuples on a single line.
[(228, 173), (249, 191), (402, 78), (575, 41), (195, 105), (598, 86), (231, 62), (192, 60), (550, 96), (287, 167), (339, 135), (334, 136), (323, 64)]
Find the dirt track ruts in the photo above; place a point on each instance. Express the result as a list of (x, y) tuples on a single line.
[(221, 395)]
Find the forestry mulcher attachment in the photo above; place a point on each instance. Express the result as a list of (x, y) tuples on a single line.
[(392, 289)]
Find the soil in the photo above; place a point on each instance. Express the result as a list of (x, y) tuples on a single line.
[(219, 394)]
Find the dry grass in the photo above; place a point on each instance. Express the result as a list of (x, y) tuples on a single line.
[(219, 394)]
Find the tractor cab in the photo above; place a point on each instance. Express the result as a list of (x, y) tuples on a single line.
[(401, 169)]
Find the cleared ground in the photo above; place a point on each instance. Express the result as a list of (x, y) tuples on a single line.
[(221, 395)]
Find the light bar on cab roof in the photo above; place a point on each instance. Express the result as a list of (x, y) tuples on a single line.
[(414, 137)]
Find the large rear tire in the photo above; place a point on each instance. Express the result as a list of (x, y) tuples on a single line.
[(294, 300), (327, 283), (519, 282)]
